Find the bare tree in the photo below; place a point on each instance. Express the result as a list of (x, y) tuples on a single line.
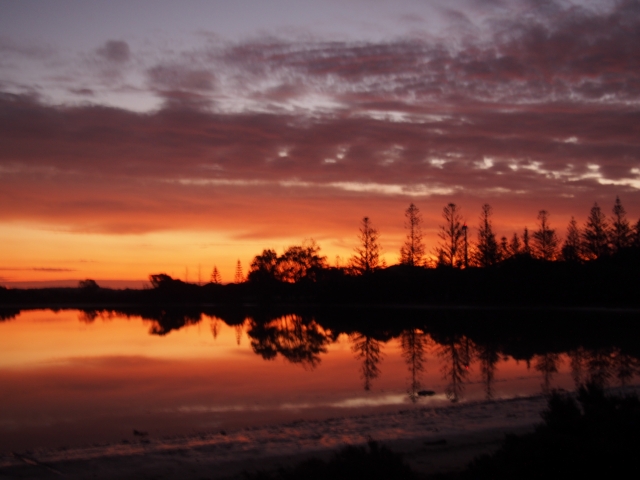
[(412, 252), (620, 229), (595, 241), (367, 257), (451, 234), (545, 239), (487, 247), (571, 246)]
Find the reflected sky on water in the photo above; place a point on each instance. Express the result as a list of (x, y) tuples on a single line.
[(73, 377)]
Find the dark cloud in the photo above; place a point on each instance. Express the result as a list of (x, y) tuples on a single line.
[(115, 51), (544, 110)]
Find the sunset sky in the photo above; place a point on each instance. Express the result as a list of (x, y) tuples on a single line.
[(148, 136)]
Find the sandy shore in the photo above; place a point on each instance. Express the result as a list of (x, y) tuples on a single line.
[(432, 439)]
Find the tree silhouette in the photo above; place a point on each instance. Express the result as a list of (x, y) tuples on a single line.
[(215, 276), (621, 235), (515, 247), (367, 349), (239, 277), (451, 233), (636, 235), (571, 247), (264, 266), (367, 257), (595, 241), (412, 252), (545, 239), (487, 247), (414, 344), (526, 247), (300, 261)]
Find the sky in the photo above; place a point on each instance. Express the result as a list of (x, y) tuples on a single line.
[(145, 136)]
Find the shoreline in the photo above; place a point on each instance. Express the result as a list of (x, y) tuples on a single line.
[(432, 439), (436, 439)]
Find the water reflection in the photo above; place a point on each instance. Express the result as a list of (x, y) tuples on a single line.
[(455, 354), (547, 365), (297, 339), (414, 344), (468, 347), (488, 357), (368, 350)]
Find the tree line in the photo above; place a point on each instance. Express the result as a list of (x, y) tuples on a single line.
[(601, 236)]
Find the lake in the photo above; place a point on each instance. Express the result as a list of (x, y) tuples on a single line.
[(74, 377)]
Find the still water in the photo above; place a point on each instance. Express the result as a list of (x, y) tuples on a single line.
[(79, 378)]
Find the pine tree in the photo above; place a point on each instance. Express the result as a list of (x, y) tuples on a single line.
[(504, 249), (526, 248), (545, 239), (239, 277), (571, 246), (412, 252), (595, 242), (515, 246), (620, 233), (451, 233), (215, 276), (367, 257), (487, 248)]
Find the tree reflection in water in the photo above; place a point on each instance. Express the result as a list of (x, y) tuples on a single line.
[(455, 353), (296, 339), (367, 349), (414, 344), (547, 364), (488, 357), (577, 359)]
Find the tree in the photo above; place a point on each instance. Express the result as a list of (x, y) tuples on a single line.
[(571, 247), (412, 252), (515, 245), (526, 248), (451, 234), (263, 267), (636, 235), (595, 241), (300, 261), (487, 248), (504, 249), (239, 277), (215, 276), (620, 234), (367, 257), (545, 239), (88, 285)]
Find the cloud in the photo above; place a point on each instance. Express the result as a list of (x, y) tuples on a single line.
[(261, 132), (115, 51)]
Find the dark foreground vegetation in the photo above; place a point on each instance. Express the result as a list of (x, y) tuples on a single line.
[(597, 436), (374, 462), (593, 436)]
